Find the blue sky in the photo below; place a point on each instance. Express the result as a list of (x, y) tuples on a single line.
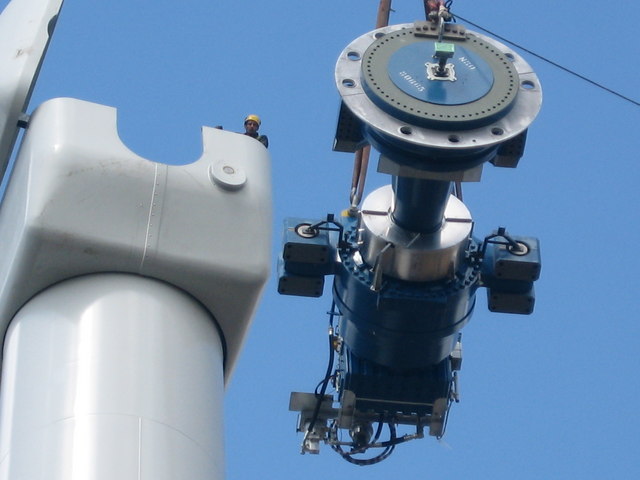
[(551, 395)]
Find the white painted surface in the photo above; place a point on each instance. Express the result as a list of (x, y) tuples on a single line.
[(112, 376), (80, 202), (25, 29)]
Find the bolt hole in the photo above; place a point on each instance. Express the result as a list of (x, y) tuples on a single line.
[(528, 85), (349, 82), (379, 35), (355, 56), (510, 56), (406, 130), (497, 131), (454, 138)]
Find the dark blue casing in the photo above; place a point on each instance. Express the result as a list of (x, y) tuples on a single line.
[(305, 260), (397, 341), (509, 276)]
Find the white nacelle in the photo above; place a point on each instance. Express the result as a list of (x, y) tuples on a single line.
[(25, 30), (80, 202), (126, 286)]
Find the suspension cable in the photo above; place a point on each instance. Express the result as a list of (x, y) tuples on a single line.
[(551, 62)]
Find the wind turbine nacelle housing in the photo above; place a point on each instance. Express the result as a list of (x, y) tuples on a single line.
[(80, 202)]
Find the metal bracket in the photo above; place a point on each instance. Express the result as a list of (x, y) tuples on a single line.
[(23, 120), (378, 267), (337, 227), (306, 404), (348, 136), (433, 72), (514, 247), (438, 417), (451, 31)]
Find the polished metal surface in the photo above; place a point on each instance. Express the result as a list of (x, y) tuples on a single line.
[(413, 256)]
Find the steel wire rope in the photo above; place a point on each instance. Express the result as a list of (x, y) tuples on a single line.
[(550, 62)]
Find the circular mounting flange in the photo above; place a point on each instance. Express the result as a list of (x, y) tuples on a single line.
[(449, 132), (395, 78)]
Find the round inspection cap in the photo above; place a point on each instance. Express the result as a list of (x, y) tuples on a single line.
[(227, 176)]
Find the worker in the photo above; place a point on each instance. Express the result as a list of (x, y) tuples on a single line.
[(251, 127), (436, 9)]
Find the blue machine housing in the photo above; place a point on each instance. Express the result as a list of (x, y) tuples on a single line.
[(309, 253), (386, 391), (438, 102), (404, 324), (508, 273), (397, 341)]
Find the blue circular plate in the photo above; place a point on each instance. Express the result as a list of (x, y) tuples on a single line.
[(408, 71)]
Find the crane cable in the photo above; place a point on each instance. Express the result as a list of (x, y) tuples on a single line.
[(361, 161), (443, 15), (551, 62), (538, 56)]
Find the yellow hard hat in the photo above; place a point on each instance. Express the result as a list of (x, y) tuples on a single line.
[(255, 118)]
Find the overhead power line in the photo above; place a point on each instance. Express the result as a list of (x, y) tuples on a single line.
[(551, 62)]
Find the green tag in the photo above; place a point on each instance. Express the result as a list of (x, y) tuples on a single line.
[(445, 49)]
